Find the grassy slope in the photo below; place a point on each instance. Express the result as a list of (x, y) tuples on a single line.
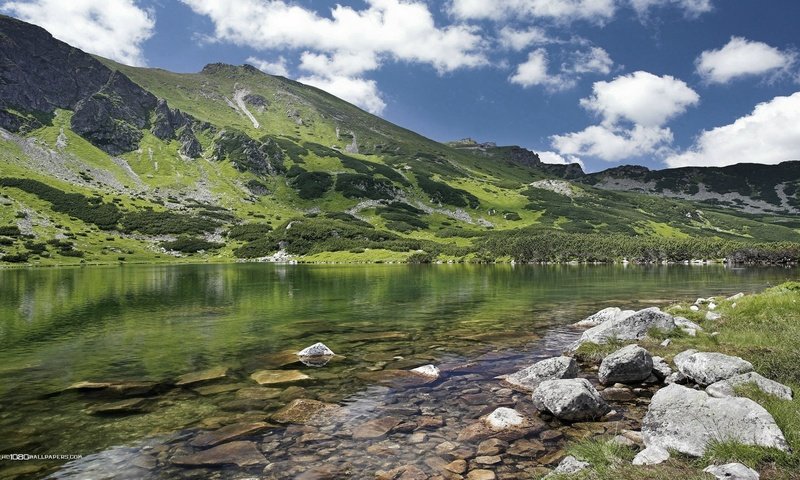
[(158, 173), (762, 329)]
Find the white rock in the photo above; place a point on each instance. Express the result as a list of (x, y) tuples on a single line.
[(727, 388), (732, 471), (687, 420), (661, 368), (319, 349), (427, 370), (651, 456), (701, 301), (604, 315), (503, 418), (569, 466), (683, 322), (735, 297), (571, 399), (713, 316), (706, 368), (634, 327), (666, 342), (694, 308), (712, 306), (550, 369)]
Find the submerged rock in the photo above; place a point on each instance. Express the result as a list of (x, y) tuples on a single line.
[(686, 420), (241, 454), (228, 433), (503, 418), (306, 412), (732, 471), (377, 428), (706, 368), (129, 406), (503, 424), (203, 376), (727, 388), (277, 377), (550, 369), (629, 364), (570, 399)]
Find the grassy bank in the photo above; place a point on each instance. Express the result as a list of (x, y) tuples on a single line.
[(763, 329)]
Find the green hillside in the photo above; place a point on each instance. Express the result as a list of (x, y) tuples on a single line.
[(231, 163)]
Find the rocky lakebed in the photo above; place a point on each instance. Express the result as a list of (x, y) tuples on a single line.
[(503, 414)]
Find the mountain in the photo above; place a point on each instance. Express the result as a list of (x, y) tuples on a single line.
[(102, 162)]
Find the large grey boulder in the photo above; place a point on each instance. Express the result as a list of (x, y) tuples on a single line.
[(686, 420), (727, 388), (550, 369), (604, 315), (661, 368), (573, 399), (706, 368), (629, 364), (732, 471), (634, 327)]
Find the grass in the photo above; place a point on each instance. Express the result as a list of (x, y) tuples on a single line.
[(763, 329)]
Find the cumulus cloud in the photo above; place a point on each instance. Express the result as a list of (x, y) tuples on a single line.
[(278, 67), (633, 110), (358, 91), (741, 57), (598, 11), (770, 135), (641, 98), (513, 39), (555, 159), (691, 8), (534, 72), (114, 29), (613, 143), (595, 60)]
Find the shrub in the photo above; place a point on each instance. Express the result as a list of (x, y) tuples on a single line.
[(249, 231), (187, 244), (444, 193), (151, 222), (311, 185), (356, 185)]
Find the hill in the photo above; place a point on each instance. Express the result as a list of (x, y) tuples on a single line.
[(101, 162)]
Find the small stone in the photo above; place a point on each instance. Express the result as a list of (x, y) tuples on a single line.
[(457, 466), (629, 364), (569, 466), (694, 308), (427, 370), (481, 474), (304, 411), (319, 349), (526, 448), (666, 342), (277, 377), (131, 405), (623, 441), (727, 388), (417, 437), (652, 455), (713, 316), (216, 389), (241, 454), (204, 376), (228, 433), (732, 471), (492, 446), (377, 428), (503, 418), (488, 459), (430, 422)]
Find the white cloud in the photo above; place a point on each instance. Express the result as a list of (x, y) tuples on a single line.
[(278, 67), (613, 143), (534, 72), (114, 29), (741, 57), (770, 135), (641, 97), (691, 8), (597, 11), (595, 60), (514, 39), (555, 159), (358, 91)]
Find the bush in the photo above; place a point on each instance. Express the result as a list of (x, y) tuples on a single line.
[(150, 222), (356, 185), (16, 258), (249, 231), (311, 185), (191, 245), (444, 193)]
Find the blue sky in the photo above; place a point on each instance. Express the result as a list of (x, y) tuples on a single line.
[(604, 82)]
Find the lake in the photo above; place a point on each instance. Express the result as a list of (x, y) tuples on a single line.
[(142, 327)]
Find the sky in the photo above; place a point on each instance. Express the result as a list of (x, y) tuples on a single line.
[(660, 83)]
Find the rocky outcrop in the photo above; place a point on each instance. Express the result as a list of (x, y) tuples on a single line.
[(727, 388), (633, 327), (706, 368), (190, 146), (629, 364), (550, 369), (686, 420), (570, 399), (262, 157)]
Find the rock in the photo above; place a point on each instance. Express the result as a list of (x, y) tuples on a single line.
[(406, 472), (569, 466), (261, 157), (124, 407), (488, 460), (319, 349), (377, 428), (634, 327), (706, 368), (430, 422), (694, 308), (206, 390), (732, 471), (630, 364), (661, 368), (666, 343), (713, 316), (727, 388), (256, 393), (712, 306), (613, 394), (190, 146), (306, 412), (427, 370), (241, 454), (686, 420), (201, 377), (503, 418), (492, 446), (676, 377), (623, 441), (277, 377), (651, 456), (397, 378), (604, 315), (686, 324), (228, 433), (526, 448), (456, 466), (733, 298), (570, 399), (550, 369), (481, 474)]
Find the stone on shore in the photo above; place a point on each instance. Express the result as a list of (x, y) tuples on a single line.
[(319, 349), (634, 327), (733, 298), (651, 456), (570, 399), (732, 471), (661, 368), (241, 454), (727, 388), (604, 315), (629, 364), (706, 368), (277, 377), (550, 369), (686, 420), (203, 376)]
